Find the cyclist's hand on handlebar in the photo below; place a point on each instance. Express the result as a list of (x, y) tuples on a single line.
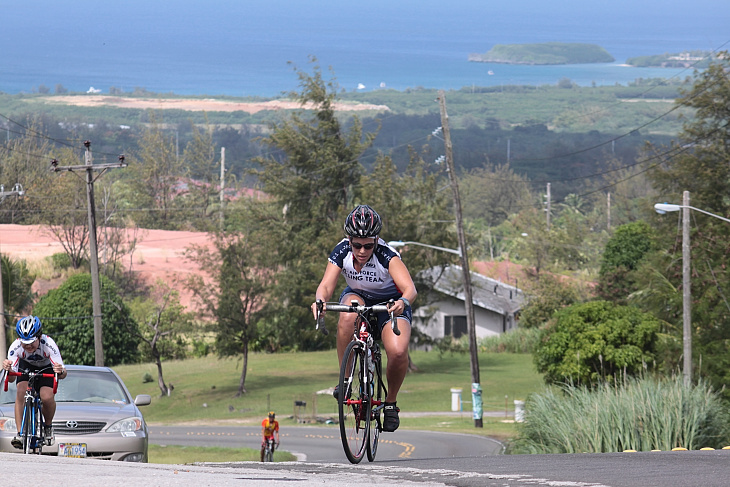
[(315, 312), (397, 307), (7, 364), (58, 369), (318, 309)]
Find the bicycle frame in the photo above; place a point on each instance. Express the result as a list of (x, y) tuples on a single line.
[(269, 450), (33, 422), (363, 333)]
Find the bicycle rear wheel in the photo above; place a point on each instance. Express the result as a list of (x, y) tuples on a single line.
[(39, 435), (376, 425), (354, 403)]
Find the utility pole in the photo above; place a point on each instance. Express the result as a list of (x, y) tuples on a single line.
[(17, 191), (476, 388), (547, 205), (90, 167), (686, 293), (223, 184)]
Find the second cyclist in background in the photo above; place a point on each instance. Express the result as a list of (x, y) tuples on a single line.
[(34, 351), (269, 427), (374, 273)]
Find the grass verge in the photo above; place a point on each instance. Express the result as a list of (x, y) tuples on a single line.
[(205, 389), (184, 455)]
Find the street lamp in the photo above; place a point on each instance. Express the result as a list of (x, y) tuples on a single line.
[(476, 391), (663, 208), (400, 243)]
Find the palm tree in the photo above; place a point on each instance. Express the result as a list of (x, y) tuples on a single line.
[(17, 281)]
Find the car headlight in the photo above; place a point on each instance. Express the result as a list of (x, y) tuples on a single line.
[(8, 424), (134, 457), (127, 424)]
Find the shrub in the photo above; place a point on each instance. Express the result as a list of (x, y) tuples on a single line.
[(594, 342), (201, 348), (67, 315), (61, 261)]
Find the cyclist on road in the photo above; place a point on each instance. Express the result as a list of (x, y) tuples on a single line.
[(375, 274), (34, 351), (269, 426)]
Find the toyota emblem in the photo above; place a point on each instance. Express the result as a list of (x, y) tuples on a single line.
[(72, 424)]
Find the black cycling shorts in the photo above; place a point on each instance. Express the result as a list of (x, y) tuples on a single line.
[(38, 382)]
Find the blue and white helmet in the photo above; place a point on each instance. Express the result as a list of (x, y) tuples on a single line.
[(28, 329)]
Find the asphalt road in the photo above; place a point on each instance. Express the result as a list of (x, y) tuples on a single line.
[(649, 469), (406, 459), (323, 444)]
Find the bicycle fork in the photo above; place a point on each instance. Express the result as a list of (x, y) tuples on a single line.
[(29, 426)]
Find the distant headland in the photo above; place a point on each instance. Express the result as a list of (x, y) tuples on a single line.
[(687, 59), (545, 53)]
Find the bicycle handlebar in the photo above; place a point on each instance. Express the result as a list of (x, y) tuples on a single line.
[(358, 308), (30, 374)]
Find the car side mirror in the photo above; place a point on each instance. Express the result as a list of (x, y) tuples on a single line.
[(142, 400)]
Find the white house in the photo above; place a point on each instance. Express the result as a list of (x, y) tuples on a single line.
[(496, 305)]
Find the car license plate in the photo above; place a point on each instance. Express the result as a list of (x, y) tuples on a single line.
[(72, 450)]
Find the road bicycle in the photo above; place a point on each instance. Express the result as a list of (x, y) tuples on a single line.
[(32, 430), (361, 388), (269, 447)]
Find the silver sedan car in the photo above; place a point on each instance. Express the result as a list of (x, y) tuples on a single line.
[(95, 417)]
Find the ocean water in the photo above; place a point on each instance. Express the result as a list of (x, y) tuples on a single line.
[(245, 47)]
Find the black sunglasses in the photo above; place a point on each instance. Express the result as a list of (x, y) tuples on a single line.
[(358, 246)]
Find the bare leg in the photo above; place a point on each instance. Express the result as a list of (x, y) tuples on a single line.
[(49, 404), (396, 349), (20, 403), (345, 327)]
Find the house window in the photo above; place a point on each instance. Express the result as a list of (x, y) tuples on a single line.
[(455, 326)]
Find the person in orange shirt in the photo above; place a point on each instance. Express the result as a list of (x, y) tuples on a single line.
[(269, 427)]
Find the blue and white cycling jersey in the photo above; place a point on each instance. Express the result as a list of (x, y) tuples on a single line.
[(46, 354), (374, 281)]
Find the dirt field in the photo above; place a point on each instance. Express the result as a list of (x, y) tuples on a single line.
[(196, 105), (159, 255)]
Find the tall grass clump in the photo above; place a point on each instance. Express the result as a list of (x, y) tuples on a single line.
[(520, 340), (638, 414)]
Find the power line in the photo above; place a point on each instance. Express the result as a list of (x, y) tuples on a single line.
[(581, 151)]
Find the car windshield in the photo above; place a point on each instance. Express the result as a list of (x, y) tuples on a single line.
[(82, 386)]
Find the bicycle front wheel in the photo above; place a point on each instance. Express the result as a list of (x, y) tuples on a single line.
[(28, 427), (269, 455), (354, 403)]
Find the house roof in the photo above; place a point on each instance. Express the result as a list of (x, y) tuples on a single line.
[(486, 293)]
